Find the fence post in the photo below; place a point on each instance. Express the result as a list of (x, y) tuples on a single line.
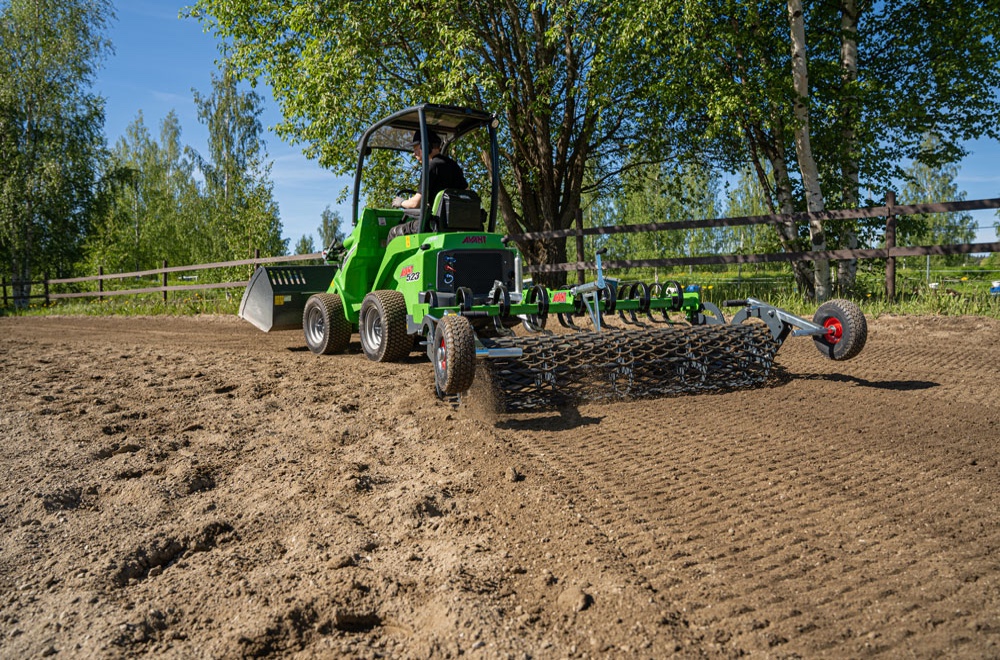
[(580, 275), (5, 291), (164, 281), (100, 283), (890, 243), (46, 286)]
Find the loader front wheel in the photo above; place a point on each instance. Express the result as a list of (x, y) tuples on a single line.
[(454, 355), (326, 328), (382, 326), (846, 329)]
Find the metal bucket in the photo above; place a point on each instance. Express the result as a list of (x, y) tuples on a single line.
[(276, 295)]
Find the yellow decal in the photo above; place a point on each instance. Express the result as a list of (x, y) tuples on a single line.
[(279, 300), (407, 241)]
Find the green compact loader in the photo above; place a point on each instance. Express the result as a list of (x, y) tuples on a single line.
[(455, 290)]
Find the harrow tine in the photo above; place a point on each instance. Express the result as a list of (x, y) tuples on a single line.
[(566, 321)]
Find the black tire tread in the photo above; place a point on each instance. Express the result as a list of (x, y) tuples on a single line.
[(855, 328), (338, 328), (460, 342), (391, 307)]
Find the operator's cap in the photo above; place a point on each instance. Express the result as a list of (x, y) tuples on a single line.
[(432, 138)]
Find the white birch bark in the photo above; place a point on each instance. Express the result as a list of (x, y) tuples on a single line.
[(807, 164)]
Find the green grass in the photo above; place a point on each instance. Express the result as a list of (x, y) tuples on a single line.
[(960, 295), (138, 305)]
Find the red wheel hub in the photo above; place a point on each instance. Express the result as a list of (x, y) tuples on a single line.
[(834, 330), (442, 356)]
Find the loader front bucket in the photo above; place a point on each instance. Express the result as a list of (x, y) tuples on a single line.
[(276, 295)]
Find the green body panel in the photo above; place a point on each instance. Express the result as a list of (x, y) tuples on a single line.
[(409, 263), (363, 253)]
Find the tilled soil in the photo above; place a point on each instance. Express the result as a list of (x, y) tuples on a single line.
[(191, 487)]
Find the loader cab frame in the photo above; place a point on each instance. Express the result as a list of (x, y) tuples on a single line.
[(451, 123)]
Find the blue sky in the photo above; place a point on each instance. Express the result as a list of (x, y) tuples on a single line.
[(159, 58)]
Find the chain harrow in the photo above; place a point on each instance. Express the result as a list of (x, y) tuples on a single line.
[(556, 369)]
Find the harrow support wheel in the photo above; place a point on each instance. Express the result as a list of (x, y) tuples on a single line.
[(454, 355), (382, 326), (846, 329), (326, 328)]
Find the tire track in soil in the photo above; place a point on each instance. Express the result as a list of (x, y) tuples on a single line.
[(813, 528)]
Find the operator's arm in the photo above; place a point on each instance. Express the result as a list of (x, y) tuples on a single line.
[(411, 203)]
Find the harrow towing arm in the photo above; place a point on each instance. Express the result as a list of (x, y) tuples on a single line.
[(839, 327)]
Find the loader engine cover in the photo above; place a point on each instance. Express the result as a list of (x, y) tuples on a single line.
[(474, 269)]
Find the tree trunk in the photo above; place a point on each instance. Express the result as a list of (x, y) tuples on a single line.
[(807, 164), (847, 270), (21, 282), (539, 206), (546, 251), (787, 232)]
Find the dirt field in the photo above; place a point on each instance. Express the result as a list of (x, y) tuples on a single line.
[(191, 487)]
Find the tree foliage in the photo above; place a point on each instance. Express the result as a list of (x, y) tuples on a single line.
[(305, 245), (329, 228), (155, 206), (880, 76), (567, 79), (927, 184), (51, 133), (657, 193), (155, 210), (242, 211), (824, 98)]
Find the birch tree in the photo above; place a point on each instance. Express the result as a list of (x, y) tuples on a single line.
[(880, 76), (244, 216), (51, 139), (803, 147)]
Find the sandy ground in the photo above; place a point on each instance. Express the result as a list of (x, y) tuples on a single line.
[(191, 487)]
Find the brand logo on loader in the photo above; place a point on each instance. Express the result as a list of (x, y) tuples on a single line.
[(409, 275), (474, 239), (559, 297)]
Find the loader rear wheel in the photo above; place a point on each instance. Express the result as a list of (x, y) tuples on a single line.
[(382, 326), (846, 329), (326, 328), (454, 355)]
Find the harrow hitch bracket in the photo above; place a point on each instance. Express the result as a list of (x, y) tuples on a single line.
[(590, 293), (781, 323)]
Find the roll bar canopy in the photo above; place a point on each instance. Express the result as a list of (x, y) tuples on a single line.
[(450, 123)]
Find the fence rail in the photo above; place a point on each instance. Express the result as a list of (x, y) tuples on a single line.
[(163, 288), (890, 211)]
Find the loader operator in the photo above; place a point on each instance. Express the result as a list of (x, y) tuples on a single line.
[(442, 173)]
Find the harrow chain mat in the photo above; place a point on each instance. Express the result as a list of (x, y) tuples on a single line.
[(614, 364)]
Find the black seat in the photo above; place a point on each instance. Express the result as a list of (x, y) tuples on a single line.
[(458, 210)]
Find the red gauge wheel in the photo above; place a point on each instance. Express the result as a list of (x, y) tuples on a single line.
[(846, 329)]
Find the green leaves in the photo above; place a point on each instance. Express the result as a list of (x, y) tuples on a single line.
[(51, 140)]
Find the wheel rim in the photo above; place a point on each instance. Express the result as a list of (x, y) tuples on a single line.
[(372, 330), (834, 330), (442, 358), (315, 326)]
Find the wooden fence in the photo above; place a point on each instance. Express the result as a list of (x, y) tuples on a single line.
[(890, 211), (164, 272)]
